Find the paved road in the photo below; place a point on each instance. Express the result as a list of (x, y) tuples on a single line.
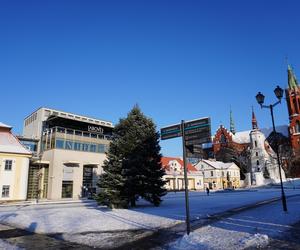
[(141, 239), (29, 240)]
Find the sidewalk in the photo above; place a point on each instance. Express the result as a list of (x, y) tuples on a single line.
[(44, 202), (265, 226)]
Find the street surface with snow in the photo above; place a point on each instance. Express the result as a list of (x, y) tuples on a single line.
[(89, 224)]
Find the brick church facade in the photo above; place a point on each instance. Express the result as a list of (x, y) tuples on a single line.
[(293, 104)]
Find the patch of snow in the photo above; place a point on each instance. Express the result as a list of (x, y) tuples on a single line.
[(6, 246), (249, 229), (256, 241)]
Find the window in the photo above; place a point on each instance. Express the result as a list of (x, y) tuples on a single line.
[(255, 143), (94, 135), (5, 191), (295, 105), (77, 146), (93, 148), (257, 162), (60, 144), (70, 131), (256, 153), (223, 139), (222, 173), (85, 147), (297, 127), (211, 173), (8, 165), (69, 145), (86, 134), (101, 148)]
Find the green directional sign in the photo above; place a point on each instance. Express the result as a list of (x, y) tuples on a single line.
[(170, 132), (196, 131)]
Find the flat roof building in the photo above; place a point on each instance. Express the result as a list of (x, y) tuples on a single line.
[(70, 150)]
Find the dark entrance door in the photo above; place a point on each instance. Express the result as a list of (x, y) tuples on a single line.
[(87, 182), (67, 189)]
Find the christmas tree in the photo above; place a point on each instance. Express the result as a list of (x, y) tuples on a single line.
[(133, 166)]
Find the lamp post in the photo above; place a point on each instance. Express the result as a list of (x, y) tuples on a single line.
[(260, 99)]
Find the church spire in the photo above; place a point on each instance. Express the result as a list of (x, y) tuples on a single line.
[(292, 80), (232, 129), (254, 121)]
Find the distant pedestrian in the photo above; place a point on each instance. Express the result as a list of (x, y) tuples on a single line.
[(207, 191)]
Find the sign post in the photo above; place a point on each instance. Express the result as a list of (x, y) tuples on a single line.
[(194, 133), (186, 183)]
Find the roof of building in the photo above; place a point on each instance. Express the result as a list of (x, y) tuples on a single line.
[(10, 144), (73, 116), (217, 164), (3, 125), (166, 160), (241, 137)]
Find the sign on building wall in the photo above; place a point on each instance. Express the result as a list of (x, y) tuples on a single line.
[(95, 129)]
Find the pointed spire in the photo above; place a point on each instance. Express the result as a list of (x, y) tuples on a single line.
[(254, 121), (292, 80), (232, 129)]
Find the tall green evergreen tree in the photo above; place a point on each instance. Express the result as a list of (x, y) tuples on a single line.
[(133, 167)]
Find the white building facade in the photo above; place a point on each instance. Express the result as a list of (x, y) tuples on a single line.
[(14, 165), (219, 175), (175, 175)]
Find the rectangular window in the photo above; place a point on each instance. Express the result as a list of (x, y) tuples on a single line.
[(86, 134), (61, 130), (79, 133), (5, 191), (85, 147), (8, 165), (101, 148), (77, 146), (93, 148), (211, 173), (69, 145), (60, 143), (70, 131)]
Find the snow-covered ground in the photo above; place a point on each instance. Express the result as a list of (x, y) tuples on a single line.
[(6, 246), (80, 221), (252, 228)]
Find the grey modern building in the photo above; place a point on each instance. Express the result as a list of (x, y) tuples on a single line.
[(69, 152)]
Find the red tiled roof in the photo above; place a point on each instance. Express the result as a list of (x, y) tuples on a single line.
[(165, 163)]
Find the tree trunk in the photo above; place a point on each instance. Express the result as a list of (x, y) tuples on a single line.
[(132, 202)]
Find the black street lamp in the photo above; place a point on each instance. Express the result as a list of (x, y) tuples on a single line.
[(260, 99)]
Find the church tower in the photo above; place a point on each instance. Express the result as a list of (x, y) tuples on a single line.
[(232, 128), (293, 103), (264, 168), (254, 121)]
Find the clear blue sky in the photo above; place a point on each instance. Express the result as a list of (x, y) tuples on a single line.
[(176, 59)]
